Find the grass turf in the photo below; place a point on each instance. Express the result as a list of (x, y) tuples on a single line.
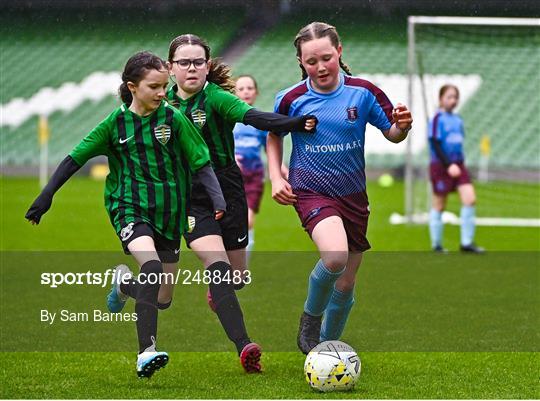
[(78, 221), (219, 375)]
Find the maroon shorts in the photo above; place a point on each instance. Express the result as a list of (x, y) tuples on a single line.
[(254, 186), (442, 183), (353, 210)]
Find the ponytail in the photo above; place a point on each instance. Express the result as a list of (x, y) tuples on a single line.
[(125, 93), (304, 72), (344, 67), (220, 74)]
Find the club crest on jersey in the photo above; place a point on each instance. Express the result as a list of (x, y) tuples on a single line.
[(127, 232), (162, 133), (352, 114), (199, 117)]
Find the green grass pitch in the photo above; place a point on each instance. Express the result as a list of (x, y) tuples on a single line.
[(406, 325)]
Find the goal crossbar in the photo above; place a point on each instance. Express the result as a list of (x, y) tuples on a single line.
[(441, 20)]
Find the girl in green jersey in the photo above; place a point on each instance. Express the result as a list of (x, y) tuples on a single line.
[(203, 93), (152, 150)]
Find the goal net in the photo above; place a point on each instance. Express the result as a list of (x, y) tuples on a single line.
[(495, 63)]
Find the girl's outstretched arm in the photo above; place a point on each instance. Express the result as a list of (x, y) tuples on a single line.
[(278, 122), (94, 144), (43, 202), (235, 110)]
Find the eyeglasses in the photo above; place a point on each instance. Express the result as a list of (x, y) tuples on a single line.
[(185, 63)]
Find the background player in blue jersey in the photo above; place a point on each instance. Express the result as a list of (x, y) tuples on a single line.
[(448, 172), (327, 183), (248, 142)]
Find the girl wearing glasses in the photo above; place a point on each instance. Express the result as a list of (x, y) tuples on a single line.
[(203, 93)]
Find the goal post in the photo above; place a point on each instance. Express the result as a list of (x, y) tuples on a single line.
[(495, 63)]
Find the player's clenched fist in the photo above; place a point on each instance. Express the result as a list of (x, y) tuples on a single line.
[(402, 117), (282, 192), (40, 206), (310, 123)]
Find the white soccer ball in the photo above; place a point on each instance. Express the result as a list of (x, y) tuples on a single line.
[(332, 366)]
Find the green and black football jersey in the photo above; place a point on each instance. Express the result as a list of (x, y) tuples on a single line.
[(150, 160), (214, 111)]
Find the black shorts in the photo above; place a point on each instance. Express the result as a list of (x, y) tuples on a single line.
[(168, 250), (233, 227)]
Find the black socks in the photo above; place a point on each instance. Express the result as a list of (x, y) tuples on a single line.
[(147, 288), (227, 306)]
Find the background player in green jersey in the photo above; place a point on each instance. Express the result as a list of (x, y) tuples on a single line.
[(152, 150), (203, 93)]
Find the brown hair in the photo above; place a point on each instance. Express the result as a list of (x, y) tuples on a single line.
[(317, 30), (219, 73), (446, 88), (135, 70), (250, 77)]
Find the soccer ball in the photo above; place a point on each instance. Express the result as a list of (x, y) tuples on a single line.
[(332, 366)]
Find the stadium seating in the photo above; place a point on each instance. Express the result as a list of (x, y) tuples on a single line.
[(51, 52), (502, 108)]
